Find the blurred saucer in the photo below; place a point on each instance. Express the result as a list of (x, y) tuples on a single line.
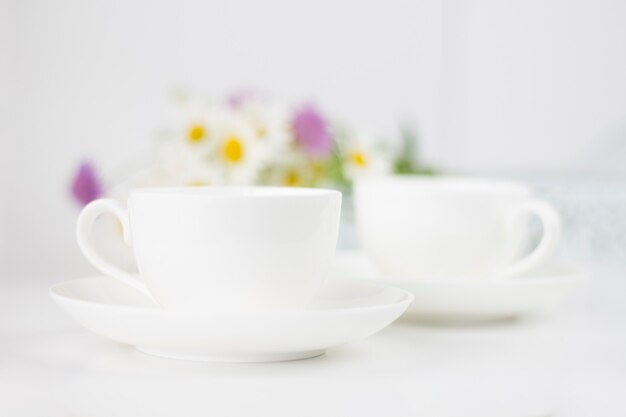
[(344, 311), (464, 300), (492, 300)]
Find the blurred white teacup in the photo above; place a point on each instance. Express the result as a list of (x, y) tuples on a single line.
[(223, 248), (451, 228)]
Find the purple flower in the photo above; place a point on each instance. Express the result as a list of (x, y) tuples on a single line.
[(86, 186), (311, 131), (238, 98)]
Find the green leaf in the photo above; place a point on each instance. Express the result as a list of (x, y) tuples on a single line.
[(408, 161)]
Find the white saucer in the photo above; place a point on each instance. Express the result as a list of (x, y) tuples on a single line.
[(492, 300), (343, 312)]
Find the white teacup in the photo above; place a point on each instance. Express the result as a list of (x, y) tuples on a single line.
[(451, 228), (223, 248)]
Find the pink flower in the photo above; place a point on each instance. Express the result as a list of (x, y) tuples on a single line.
[(86, 186), (239, 98), (311, 131)]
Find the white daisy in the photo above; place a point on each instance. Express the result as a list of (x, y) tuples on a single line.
[(185, 151), (363, 156), (237, 153), (193, 124), (180, 165), (293, 170), (271, 126)]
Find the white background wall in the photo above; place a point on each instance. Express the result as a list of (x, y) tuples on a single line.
[(492, 85), (542, 85), (5, 42)]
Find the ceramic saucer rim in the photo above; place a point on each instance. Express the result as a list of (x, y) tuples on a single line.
[(405, 300), (577, 276)]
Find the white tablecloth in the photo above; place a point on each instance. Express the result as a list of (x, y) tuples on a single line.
[(569, 363)]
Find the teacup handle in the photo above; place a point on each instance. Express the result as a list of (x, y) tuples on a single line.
[(87, 217), (551, 222)]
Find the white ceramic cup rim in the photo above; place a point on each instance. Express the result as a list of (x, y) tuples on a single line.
[(448, 183)]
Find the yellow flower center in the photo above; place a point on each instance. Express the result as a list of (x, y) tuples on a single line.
[(292, 179), (233, 150), (359, 159), (196, 133)]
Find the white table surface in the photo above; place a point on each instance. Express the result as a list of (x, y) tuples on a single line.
[(569, 363)]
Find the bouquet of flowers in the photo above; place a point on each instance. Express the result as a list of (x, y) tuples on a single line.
[(249, 139)]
